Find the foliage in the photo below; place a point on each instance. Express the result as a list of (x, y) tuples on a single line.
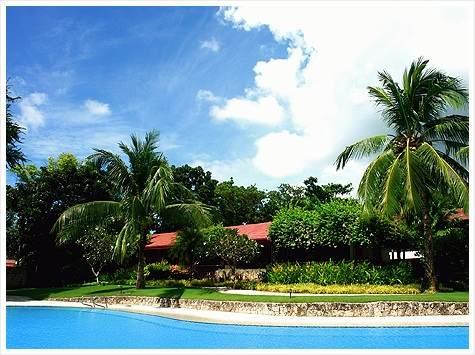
[(451, 252), (335, 224), (422, 156), (14, 132), (144, 188), (339, 289), (187, 244), (34, 203), (343, 273), (157, 271), (120, 275), (227, 245), (324, 193), (306, 197), (197, 181), (238, 204), (97, 245)]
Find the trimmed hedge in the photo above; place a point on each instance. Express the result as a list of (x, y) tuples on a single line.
[(340, 289), (343, 273), (335, 224)]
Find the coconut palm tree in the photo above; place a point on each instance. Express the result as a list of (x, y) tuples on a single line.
[(145, 190), (426, 151)]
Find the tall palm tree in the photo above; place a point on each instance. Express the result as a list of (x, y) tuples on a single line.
[(144, 189), (426, 151)]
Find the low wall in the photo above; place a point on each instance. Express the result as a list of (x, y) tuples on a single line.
[(323, 309)]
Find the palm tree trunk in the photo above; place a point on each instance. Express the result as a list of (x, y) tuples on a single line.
[(140, 283), (428, 246)]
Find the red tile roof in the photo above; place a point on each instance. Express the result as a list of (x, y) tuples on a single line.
[(257, 232), (459, 215), (11, 263)]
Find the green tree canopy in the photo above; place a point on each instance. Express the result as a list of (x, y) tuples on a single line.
[(33, 205), (239, 204)]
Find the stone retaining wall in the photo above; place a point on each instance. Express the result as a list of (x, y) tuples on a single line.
[(327, 309)]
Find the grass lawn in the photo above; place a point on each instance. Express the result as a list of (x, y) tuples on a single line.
[(207, 294)]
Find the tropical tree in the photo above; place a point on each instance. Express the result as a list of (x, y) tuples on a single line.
[(14, 131), (35, 202), (143, 189), (421, 155)]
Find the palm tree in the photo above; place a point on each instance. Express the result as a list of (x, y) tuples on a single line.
[(15, 156), (145, 189), (426, 152)]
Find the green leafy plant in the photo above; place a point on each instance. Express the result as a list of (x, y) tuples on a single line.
[(229, 246), (339, 289), (335, 224), (344, 273), (157, 271)]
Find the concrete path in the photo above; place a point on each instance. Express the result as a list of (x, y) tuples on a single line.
[(256, 319)]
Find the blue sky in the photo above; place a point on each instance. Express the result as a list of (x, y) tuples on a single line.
[(266, 95)]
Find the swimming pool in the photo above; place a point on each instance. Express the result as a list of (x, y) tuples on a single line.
[(62, 328)]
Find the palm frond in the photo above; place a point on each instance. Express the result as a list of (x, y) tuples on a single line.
[(116, 169), (393, 188), (158, 187), (372, 180), (194, 214), (438, 165), (398, 113), (414, 180), (453, 128), (76, 219), (365, 147), (129, 234), (457, 166), (463, 155)]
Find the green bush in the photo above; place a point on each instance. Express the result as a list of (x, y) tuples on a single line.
[(121, 276), (228, 246), (244, 285), (340, 289), (343, 273), (335, 224), (157, 271)]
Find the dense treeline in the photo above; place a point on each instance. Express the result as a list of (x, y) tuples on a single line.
[(41, 194)]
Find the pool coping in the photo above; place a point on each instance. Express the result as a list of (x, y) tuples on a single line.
[(220, 317)]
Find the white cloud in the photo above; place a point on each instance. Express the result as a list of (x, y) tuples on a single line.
[(264, 110), (30, 114), (97, 108), (206, 95), (334, 53), (211, 44)]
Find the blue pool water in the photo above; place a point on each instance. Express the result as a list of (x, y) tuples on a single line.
[(60, 328)]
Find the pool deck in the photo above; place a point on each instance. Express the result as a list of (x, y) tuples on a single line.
[(267, 320)]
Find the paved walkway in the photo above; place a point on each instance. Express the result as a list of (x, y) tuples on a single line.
[(255, 319)]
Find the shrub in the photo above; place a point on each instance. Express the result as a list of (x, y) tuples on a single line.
[(245, 285), (340, 289), (227, 245), (334, 224), (121, 275), (327, 273), (187, 243), (157, 271)]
